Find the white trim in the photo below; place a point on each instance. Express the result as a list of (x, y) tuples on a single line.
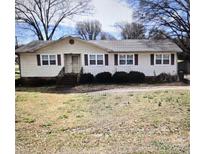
[(162, 64), (96, 59), (169, 55), (126, 54), (41, 55)]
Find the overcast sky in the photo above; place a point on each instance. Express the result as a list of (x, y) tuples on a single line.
[(108, 12)]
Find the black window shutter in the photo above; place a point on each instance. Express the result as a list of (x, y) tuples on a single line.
[(86, 59), (59, 59), (38, 60), (152, 59), (106, 59), (136, 59), (172, 59), (116, 59)]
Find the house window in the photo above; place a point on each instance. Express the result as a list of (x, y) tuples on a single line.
[(92, 60), (45, 59), (165, 59), (100, 59), (159, 59), (52, 59), (122, 59), (48, 59), (129, 59)]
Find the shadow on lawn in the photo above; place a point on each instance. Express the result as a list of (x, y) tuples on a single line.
[(90, 87), (68, 89)]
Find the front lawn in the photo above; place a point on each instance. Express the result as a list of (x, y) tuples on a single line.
[(140, 122)]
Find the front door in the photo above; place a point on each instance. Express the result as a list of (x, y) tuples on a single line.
[(75, 64)]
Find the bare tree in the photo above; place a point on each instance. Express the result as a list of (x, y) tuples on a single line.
[(156, 34), (106, 36), (131, 30), (88, 30), (42, 17), (172, 16)]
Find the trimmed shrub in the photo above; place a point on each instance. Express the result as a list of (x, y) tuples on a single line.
[(164, 77), (86, 78), (120, 77), (104, 77), (136, 77)]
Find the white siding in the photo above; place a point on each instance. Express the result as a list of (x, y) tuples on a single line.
[(143, 66), (29, 66)]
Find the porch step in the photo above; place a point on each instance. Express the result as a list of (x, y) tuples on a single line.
[(67, 80)]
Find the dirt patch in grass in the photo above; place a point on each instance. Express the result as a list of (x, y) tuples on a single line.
[(129, 122)]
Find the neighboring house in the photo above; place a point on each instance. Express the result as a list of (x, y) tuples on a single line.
[(73, 55)]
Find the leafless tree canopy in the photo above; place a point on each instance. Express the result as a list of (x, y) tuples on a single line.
[(44, 16), (131, 30), (172, 16), (88, 30), (106, 36), (156, 34)]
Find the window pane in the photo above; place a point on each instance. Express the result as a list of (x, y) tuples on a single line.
[(166, 59), (92, 57), (45, 62), (122, 60), (129, 59), (52, 59), (159, 59), (45, 59), (52, 62), (100, 59), (92, 60)]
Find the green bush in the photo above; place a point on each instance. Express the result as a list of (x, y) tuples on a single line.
[(86, 78), (120, 77), (136, 77), (104, 77)]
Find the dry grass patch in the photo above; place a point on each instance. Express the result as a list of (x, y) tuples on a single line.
[(145, 122)]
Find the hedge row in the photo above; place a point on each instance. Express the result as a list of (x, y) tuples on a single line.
[(117, 77), (123, 77), (106, 77)]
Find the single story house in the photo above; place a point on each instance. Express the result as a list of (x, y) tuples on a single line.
[(74, 55)]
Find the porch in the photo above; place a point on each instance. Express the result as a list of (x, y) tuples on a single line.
[(72, 63)]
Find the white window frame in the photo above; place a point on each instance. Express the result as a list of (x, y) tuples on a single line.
[(162, 59), (96, 55), (168, 59), (90, 59), (126, 60), (132, 59), (48, 59), (97, 59)]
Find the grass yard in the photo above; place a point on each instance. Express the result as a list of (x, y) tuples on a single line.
[(140, 122)]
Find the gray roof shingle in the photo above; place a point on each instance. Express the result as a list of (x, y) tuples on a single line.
[(138, 45), (113, 45), (33, 46)]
